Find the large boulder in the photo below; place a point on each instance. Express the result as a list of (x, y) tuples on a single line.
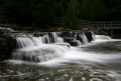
[(4, 50)]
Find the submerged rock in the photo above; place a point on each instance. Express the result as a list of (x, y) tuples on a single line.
[(32, 73)]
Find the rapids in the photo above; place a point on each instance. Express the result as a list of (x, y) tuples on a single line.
[(101, 55)]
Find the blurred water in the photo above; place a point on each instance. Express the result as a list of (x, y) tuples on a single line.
[(96, 61)]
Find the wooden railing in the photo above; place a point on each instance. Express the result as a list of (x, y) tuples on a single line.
[(95, 24)]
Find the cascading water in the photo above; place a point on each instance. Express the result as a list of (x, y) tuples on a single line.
[(84, 39), (51, 50), (24, 42), (102, 37), (35, 49), (30, 48), (39, 53)]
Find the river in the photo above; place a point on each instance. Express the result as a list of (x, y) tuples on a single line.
[(98, 60)]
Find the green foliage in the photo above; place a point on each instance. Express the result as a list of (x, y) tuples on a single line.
[(92, 10), (17, 11), (45, 13), (72, 14)]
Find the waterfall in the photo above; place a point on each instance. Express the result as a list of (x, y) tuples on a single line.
[(102, 37), (36, 41), (39, 53), (84, 39), (49, 46), (46, 39), (35, 49), (81, 37), (24, 42), (52, 38), (59, 39), (61, 49), (93, 36)]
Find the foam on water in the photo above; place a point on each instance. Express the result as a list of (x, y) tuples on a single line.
[(43, 52), (33, 50), (82, 58), (102, 37)]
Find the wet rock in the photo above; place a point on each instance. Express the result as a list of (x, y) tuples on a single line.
[(38, 34), (89, 36), (73, 43), (4, 50), (11, 44), (68, 39), (7, 44), (66, 34), (5, 30), (78, 37)]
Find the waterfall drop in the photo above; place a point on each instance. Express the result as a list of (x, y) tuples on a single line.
[(96, 55), (49, 46)]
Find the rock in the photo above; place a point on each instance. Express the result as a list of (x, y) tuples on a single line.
[(68, 39), (38, 34), (65, 34), (5, 30), (78, 37), (73, 43), (4, 50), (89, 36)]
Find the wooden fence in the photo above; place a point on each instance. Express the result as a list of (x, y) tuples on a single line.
[(96, 24), (107, 25)]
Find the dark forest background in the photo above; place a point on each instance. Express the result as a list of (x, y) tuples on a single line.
[(44, 14)]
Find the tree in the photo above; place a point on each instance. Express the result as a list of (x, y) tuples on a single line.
[(113, 9), (72, 14), (45, 13), (17, 11), (92, 10)]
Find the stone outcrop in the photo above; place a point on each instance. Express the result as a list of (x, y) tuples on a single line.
[(4, 50)]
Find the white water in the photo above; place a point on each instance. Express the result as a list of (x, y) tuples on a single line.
[(32, 50), (24, 42), (6, 30), (102, 37), (84, 38), (40, 53), (81, 58)]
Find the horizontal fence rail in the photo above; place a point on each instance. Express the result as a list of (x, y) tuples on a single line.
[(95, 24), (113, 27)]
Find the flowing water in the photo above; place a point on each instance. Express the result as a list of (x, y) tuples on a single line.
[(50, 59)]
